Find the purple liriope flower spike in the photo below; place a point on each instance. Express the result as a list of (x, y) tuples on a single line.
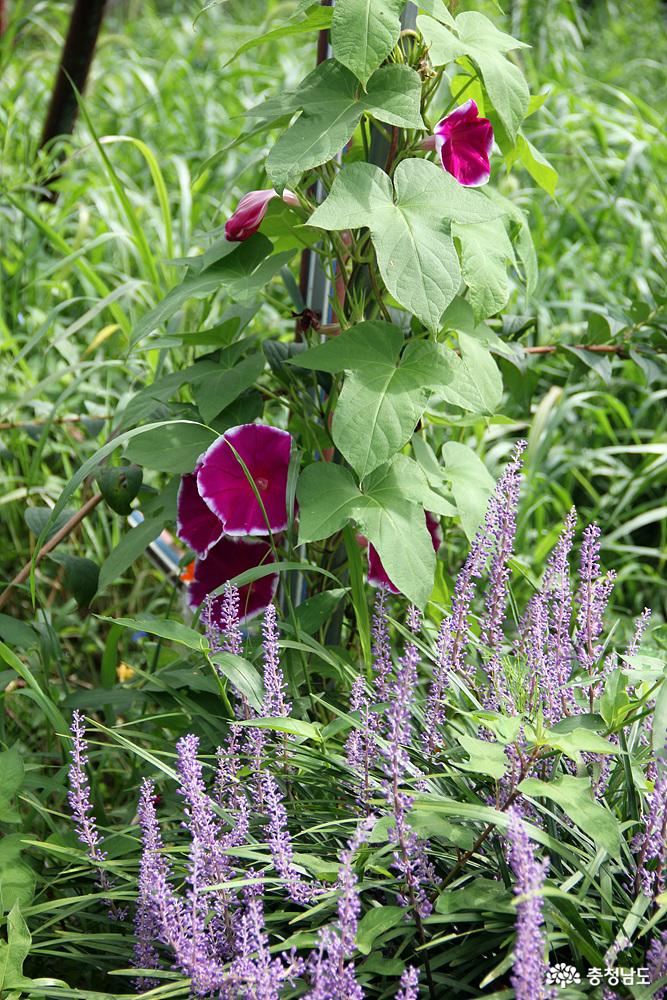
[(381, 649), (500, 527), (156, 904), (453, 637), (211, 625), (223, 631), (332, 974), (253, 968), (280, 842), (360, 743), (409, 984), (229, 620), (160, 915), (414, 619), (454, 634), (542, 686), (656, 960), (207, 944), (592, 598), (435, 708), (556, 588), (228, 791), (650, 845), (208, 864), (274, 704), (529, 969), (410, 858), (641, 624), (81, 808), (79, 796), (201, 820)]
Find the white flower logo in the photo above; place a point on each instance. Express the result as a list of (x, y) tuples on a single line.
[(562, 975)]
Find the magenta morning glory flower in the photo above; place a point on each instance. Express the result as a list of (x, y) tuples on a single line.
[(225, 488), (377, 575), (224, 561), (250, 211), (463, 141), (196, 524)]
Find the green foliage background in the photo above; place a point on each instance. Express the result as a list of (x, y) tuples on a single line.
[(79, 274)]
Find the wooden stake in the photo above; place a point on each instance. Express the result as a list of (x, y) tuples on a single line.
[(75, 62)]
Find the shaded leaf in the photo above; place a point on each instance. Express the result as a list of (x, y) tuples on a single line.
[(37, 517), (81, 576), (130, 547), (171, 448), (312, 613), (119, 485), (217, 389), (471, 483), (166, 628), (326, 494), (576, 799), (485, 252), (374, 923), (485, 757), (14, 952), (243, 676)]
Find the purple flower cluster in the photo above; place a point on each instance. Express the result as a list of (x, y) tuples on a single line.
[(274, 704), (593, 597), (361, 743), (79, 796), (409, 984), (650, 845), (382, 665), (227, 789), (331, 972), (208, 865), (214, 938), (215, 934), (221, 619), (500, 528), (546, 632), (640, 628), (81, 807), (656, 957), (254, 973), (410, 858), (159, 916), (559, 635), (529, 969), (280, 843), (494, 540)]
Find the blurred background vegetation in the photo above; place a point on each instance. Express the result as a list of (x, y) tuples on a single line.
[(78, 272)]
